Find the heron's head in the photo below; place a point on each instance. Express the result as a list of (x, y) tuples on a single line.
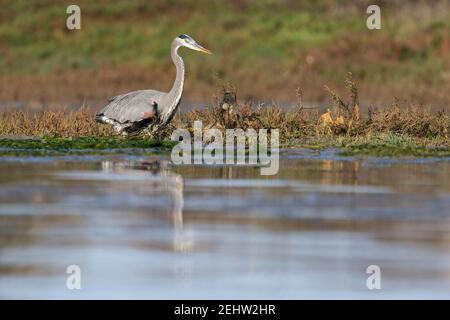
[(186, 41)]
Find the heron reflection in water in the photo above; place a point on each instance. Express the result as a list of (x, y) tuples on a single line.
[(162, 179)]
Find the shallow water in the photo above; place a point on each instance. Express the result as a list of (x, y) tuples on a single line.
[(140, 228)]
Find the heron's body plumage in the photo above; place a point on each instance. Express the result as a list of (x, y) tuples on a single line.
[(130, 107), (131, 111)]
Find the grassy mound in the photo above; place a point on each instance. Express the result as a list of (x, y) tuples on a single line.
[(392, 130)]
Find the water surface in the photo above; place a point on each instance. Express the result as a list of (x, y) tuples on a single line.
[(140, 228)]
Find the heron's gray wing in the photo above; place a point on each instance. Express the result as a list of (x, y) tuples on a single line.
[(116, 97), (130, 107)]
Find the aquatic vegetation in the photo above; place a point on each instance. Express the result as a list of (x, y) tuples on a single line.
[(62, 144), (392, 145)]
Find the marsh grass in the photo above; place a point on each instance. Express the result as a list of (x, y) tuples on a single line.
[(343, 118), (392, 145), (391, 130), (52, 123)]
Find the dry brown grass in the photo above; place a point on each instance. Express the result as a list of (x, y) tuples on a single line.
[(60, 123), (343, 118)]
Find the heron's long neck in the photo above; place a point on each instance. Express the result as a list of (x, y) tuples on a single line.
[(174, 94)]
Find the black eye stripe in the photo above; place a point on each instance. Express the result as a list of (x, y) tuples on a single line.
[(186, 38)]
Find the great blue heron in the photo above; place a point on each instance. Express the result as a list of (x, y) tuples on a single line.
[(137, 110)]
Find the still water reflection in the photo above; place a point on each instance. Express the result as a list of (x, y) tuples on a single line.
[(140, 228)]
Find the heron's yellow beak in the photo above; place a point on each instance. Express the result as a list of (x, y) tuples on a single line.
[(202, 49)]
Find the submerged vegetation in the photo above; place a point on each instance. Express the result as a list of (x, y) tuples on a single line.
[(393, 130)]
